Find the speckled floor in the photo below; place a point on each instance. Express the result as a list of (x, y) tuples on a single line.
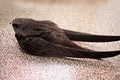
[(91, 16)]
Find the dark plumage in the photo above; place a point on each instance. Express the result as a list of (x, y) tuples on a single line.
[(45, 38)]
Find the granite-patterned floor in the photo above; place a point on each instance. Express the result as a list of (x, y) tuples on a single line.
[(91, 16)]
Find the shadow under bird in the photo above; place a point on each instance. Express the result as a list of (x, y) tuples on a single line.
[(45, 38)]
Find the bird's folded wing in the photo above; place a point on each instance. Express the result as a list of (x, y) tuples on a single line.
[(41, 47), (71, 52), (79, 36)]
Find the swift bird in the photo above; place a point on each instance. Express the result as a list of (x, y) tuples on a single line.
[(45, 38)]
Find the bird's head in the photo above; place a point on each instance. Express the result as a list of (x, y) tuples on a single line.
[(24, 26)]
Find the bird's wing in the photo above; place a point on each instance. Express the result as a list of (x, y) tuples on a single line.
[(41, 47), (79, 36), (71, 52)]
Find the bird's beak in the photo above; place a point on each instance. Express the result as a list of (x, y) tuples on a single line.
[(10, 23)]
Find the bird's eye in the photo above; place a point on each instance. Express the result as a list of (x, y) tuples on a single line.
[(15, 25)]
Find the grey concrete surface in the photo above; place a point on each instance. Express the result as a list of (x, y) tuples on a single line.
[(91, 16)]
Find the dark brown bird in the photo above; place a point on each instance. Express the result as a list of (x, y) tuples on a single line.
[(45, 38)]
